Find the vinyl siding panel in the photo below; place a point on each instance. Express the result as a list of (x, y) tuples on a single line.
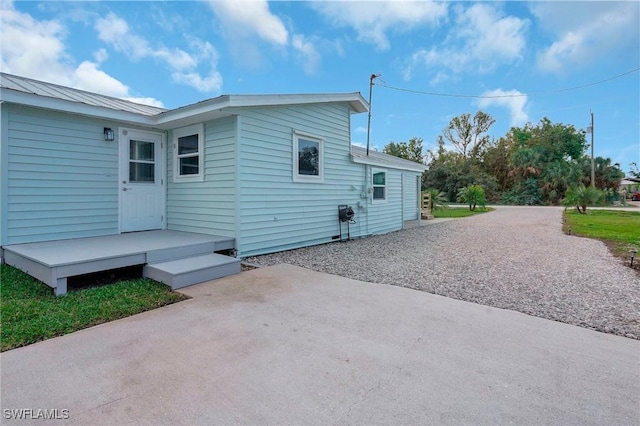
[(277, 213), (62, 177), (410, 196), (207, 207), (387, 216)]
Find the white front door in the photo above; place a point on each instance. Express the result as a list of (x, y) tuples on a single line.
[(141, 180)]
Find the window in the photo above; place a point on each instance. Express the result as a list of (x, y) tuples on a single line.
[(379, 179), (307, 158), (188, 155), (142, 161)]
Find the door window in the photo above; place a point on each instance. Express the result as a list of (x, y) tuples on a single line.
[(141, 161)]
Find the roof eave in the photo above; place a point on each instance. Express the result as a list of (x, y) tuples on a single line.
[(194, 113), (354, 99), (37, 101), (224, 106), (418, 168)]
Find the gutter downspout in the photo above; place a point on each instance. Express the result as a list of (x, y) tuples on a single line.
[(365, 200), (402, 200), (419, 197)]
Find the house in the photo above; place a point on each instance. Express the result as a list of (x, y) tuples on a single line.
[(629, 186), (267, 172)]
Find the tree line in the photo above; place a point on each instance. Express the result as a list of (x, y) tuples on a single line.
[(535, 164)]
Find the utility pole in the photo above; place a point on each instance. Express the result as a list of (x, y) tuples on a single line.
[(373, 77), (593, 166)]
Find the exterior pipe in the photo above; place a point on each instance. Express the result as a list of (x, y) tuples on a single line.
[(371, 78)]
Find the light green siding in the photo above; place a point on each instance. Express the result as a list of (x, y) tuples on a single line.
[(206, 207), (61, 177), (4, 168), (387, 216), (410, 196), (277, 213), (60, 180)]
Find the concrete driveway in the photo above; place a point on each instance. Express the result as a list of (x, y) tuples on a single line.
[(286, 345)]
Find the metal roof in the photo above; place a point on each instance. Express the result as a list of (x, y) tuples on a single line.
[(50, 90), (380, 159), (25, 91)]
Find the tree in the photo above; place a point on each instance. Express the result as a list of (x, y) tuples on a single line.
[(437, 199), (607, 175), (449, 171), (473, 195), (467, 134), (534, 164), (411, 151), (496, 162), (545, 159), (634, 171), (582, 196)]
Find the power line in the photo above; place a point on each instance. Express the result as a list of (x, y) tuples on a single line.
[(454, 95)]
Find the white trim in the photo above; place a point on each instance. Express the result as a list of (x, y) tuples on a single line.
[(37, 101), (167, 119), (386, 186), (194, 129), (237, 226), (297, 177), (379, 159), (354, 99), (4, 175)]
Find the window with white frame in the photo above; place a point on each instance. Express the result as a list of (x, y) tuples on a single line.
[(188, 153), (308, 162), (379, 184)]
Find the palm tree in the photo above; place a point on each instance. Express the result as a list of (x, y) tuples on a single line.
[(437, 199), (473, 195), (581, 196)]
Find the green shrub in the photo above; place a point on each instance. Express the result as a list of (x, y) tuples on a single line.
[(473, 195)]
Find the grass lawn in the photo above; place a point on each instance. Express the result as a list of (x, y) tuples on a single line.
[(29, 312), (459, 212), (619, 229)]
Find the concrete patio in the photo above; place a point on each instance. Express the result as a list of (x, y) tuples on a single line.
[(286, 345)]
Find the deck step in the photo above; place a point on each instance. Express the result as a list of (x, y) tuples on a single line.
[(192, 270)]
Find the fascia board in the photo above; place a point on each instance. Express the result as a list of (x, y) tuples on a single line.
[(355, 100), (187, 113), (370, 162), (223, 105), (29, 99), (191, 113)]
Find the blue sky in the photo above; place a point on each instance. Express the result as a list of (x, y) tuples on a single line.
[(176, 53)]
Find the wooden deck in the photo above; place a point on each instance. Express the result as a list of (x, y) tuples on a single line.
[(52, 262)]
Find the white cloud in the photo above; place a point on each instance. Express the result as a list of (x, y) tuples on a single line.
[(513, 100), (36, 49), (29, 46), (244, 21), (372, 20), (586, 32), (306, 52), (89, 77), (184, 65), (100, 55), (212, 82), (491, 37), (242, 18), (481, 40)]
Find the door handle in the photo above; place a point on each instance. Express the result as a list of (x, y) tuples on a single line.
[(126, 189)]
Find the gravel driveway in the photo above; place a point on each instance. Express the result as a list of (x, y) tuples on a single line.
[(514, 258)]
